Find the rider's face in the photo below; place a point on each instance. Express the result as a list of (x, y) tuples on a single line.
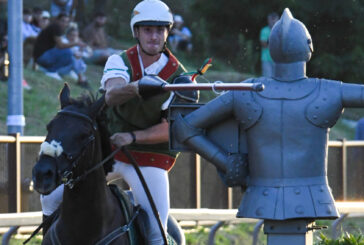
[(152, 38)]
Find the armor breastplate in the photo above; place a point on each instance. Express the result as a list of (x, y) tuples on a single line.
[(287, 145)]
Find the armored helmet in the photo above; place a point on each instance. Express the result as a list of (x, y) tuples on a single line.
[(151, 12), (290, 40)]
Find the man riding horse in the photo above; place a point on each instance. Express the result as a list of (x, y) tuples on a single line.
[(137, 119)]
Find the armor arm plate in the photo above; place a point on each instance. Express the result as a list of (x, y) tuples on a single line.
[(213, 112), (352, 95), (190, 129)]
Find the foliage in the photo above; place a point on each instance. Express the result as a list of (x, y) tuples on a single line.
[(229, 30), (347, 239), (337, 31)]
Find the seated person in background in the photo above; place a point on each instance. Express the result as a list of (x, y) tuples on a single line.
[(45, 20), (78, 52), (180, 36), (40, 19), (28, 29), (95, 36), (55, 55), (62, 6), (36, 18)]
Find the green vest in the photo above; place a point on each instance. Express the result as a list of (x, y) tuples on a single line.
[(139, 114)]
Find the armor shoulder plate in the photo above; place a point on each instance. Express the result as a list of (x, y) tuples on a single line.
[(287, 90), (246, 109), (327, 107)]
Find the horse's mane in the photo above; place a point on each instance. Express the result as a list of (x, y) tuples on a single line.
[(83, 101)]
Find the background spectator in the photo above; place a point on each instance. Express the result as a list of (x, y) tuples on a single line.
[(72, 36), (62, 6), (266, 59), (180, 36), (28, 29), (55, 55), (95, 36), (37, 17), (45, 20)]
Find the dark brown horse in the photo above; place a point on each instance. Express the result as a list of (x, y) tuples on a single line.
[(89, 211)]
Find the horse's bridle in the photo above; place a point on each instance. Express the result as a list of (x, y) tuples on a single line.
[(67, 177)]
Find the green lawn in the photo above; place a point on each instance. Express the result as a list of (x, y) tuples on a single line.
[(241, 234)]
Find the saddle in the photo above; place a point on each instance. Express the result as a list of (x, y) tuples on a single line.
[(138, 230)]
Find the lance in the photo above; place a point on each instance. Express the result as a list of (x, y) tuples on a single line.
[(213, 86), (152, 85)]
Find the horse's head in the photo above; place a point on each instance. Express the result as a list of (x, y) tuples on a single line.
[(69, 144)]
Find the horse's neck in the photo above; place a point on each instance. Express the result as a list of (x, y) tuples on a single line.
[(88, 196), (89, 211), (89, 202)]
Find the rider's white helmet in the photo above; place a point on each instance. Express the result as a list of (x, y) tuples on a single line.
[(151, 12)]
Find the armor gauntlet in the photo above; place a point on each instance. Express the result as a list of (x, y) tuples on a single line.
[(150, 85), (236, 170)]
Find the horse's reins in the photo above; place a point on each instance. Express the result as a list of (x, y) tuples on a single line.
[(69, 181), (147, 192)]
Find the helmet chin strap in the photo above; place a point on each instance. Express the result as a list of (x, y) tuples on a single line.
[(150, 54)]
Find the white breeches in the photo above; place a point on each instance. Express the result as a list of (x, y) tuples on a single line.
[(157, 181)]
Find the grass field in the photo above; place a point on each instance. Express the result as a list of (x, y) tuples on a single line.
[(241, 234)]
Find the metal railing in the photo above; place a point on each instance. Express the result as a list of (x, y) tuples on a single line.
[(220, 217), (14, 169)]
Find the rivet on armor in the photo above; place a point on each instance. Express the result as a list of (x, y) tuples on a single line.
[(249, 118), (297, 191), (329, 210), (132, 52), (299, 209), (265, 192), (317, 107), (174, 64), (137, 74), (167, 162), (314, 117), (259, 211), (326, 121), (321, 189), (152, 159)]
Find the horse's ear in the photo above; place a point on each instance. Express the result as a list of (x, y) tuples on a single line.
[(97, 106), (64, 96)]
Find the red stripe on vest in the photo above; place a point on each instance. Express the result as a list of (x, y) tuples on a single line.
[(167, 71), (136, 71), (148, 159)]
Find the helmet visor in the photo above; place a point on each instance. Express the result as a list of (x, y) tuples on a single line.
[(152, 23)]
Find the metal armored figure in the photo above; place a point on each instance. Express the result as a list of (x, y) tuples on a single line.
[(286, 129)]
